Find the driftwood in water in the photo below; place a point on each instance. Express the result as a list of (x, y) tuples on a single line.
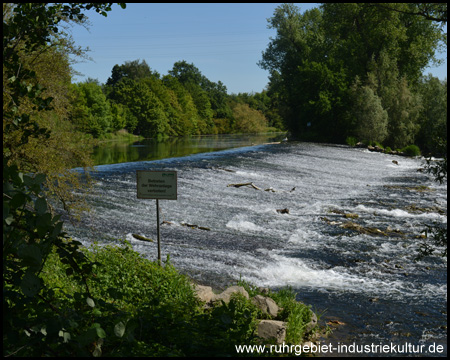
[(196, 226), (165, 222), (224, 169), (245, 184), (256, 187), (142, 238)]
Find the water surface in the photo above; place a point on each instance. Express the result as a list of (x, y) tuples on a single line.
[(371, 283), (115, 152)]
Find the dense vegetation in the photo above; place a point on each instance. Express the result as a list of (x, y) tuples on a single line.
[(355, 70), (183, 102), (343, 70)]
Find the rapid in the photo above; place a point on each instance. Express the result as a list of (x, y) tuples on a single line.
[(367, 282)]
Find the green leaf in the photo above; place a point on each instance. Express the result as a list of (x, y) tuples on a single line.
[(31, 255), (57, 230), (119, 329), (96, 312), (9, 219), (65, 335), (90, 302), (18, 200), (41, 206), (100, 332), (30, 284)]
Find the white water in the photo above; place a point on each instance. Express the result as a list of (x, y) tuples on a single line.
[(330, 267)]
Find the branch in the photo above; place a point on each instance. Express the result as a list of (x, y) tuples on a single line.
[(424, 13)]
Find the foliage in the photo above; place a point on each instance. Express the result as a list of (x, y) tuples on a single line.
[(436, 239), (139, 308), (184, 102), (371, 119), (33, 324), (438, 168), (318, 55), (248, 120), (262, 102), (91, 112), (351, 141), (36, 83), (433, 115), (436, 235), (411, 150), (295, 313), (133, 70)]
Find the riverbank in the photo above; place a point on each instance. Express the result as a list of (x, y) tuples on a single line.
[(138, 308)]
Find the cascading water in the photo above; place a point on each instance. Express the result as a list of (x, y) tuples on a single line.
[(367, 280)]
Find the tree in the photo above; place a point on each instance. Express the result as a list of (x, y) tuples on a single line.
[(188, 121), (371, 118), (192, 79), (186, 73), (282, 58), (401, 103), (317, 55), (429, 11), (91, 111), (248, 120), (403, 116), (433, 115), (218, 97), (144, 106), (133, 70), (32, 320)]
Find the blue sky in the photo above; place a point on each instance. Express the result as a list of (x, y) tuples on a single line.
[(224, 41)]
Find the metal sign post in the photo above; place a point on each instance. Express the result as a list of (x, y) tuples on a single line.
[(157, 185)]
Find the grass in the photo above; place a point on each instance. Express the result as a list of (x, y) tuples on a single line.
[(131, 306), (295, 313)]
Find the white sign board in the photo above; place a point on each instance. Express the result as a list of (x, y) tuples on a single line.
[(156, 184)]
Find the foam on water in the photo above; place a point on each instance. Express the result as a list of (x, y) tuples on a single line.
[(243, 225)]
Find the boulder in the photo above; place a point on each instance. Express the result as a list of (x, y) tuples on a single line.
[(312, 323), (204, 293), (226, 294), (264, 290), (272, 329), (283, 211), (267, 305)]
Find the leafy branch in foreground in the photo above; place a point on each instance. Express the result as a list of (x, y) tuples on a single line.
[(437, 233), (34, 323)]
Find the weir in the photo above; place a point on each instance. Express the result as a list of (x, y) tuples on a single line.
[(369, 281)]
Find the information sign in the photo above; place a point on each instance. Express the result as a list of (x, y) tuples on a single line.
[(156, 184)]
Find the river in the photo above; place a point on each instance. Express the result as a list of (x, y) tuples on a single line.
[(367, 283)]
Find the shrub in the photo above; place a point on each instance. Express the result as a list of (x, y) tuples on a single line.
[(351, 141), (411, 150)]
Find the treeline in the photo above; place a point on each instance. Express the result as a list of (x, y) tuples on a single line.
[(183, 102), (354, 71)]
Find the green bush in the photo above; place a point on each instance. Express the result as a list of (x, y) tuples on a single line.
[(411, 150), (131, 306), (351, 141)]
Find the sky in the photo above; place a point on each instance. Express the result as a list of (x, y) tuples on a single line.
[(224, 41)]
